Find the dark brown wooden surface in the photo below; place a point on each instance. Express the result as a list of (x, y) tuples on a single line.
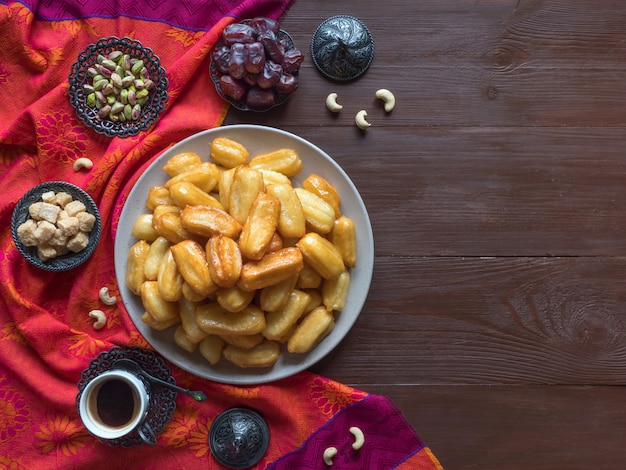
[(496, 191)]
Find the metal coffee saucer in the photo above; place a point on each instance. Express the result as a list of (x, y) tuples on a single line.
[(162, 399)]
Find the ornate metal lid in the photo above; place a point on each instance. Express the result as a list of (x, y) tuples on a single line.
[(239, 438), (342, 48)]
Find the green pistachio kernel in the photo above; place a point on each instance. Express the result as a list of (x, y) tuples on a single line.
[(137, 66)]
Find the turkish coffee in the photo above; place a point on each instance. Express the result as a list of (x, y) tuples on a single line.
[(114, 403)]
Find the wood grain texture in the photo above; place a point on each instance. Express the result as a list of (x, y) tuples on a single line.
[(500, 320), (518, 427), (496, 188)]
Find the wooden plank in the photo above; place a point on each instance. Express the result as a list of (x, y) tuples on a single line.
[(500, 32), (517, 427), (506, 320)]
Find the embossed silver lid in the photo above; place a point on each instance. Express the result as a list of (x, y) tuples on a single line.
[(342, 48), (239, 438)]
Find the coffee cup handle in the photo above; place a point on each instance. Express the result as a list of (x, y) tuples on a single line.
[(147, 434)]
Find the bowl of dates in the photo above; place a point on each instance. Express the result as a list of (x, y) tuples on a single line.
[(255, 64)]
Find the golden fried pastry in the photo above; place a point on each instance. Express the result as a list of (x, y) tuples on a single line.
[(260, 226), (271, 269), (213, 319), (321, 255), (193, 266), (225, 261), (264, 355), (228, 153)]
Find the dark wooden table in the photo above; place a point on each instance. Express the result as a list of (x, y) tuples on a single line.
[(496, 190)]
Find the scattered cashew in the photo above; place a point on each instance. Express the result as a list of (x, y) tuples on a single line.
[(360, 120), (106, 298), (83, 162), (329, 453), (331, 103), (387, 97), (359, 438), (99, 317)]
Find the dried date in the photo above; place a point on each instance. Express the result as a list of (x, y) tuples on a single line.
[(287, 84), (258, 98), (270, 75), (292, 60), (273, 48), (232, 87), (255, 57), (221, 58), (261, 25), (238, 33), (236, 64), (251, 78)]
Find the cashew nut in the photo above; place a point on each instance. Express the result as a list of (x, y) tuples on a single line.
[(329, 453), (331, 103), (359, 438), (360, 120), (387, 97), (106, 298), (83, 162), (99, 317)]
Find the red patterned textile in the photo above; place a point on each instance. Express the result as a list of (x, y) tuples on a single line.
[(46, 336)]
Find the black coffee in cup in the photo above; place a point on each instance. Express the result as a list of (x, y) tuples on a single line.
[(114, 403)]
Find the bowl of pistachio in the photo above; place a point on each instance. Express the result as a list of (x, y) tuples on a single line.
[(118, 87)]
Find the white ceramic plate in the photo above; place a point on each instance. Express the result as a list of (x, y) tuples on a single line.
[(258, 139)]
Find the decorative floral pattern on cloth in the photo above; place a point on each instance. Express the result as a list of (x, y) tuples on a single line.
[(46, 336)]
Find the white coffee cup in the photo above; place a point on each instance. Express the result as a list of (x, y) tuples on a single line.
[(114, 404)]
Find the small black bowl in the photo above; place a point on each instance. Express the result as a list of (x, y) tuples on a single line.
[(21, 214), (79, 77)]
